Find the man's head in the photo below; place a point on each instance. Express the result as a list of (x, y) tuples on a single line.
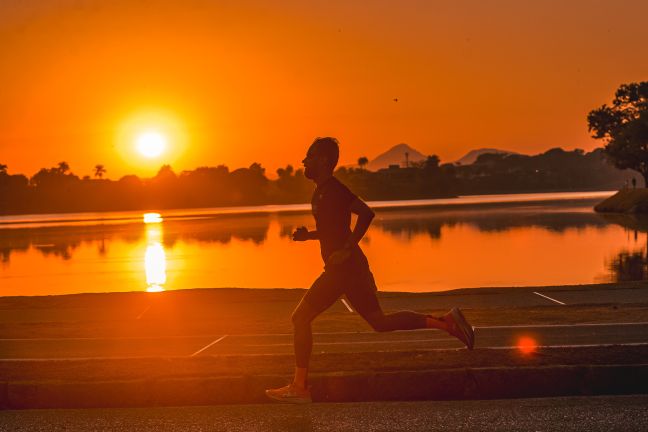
[(321, 158)]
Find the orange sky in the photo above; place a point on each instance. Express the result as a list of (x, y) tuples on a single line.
[(242, 81)]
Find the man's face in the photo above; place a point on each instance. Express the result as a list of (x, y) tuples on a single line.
[(313, 162)]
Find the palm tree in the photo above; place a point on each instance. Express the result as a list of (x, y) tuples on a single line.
[(63, 167), (99, 171), (362, 161)]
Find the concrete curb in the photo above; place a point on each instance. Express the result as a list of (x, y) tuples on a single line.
[(448, 384), (4, 397)]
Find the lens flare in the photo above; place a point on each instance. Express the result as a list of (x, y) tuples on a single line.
[(527, 345)]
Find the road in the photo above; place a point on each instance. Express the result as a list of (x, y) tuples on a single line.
[(618, 413), (213, 322), (331, 342)]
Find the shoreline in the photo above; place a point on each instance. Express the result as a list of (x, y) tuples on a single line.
[(486, 290), (465, 202)]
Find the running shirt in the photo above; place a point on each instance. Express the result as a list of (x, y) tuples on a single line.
[(331, 206)]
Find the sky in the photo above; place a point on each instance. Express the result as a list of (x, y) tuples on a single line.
[(236, 82)]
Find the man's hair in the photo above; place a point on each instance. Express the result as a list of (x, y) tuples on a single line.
[(328, 146)]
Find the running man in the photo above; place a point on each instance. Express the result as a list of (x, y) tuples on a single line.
[(346, 270)]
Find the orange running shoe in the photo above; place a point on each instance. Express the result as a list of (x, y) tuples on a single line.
[(459, 327), (290, 394)]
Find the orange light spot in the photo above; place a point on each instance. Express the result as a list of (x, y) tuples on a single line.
[(527, 345)]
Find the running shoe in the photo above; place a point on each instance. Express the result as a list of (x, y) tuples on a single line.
[(290, 394), (458, 327)]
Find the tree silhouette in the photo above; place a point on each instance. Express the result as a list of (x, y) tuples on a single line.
[(57, 189), (624, 127), (165, 173), (285, 172), (362, 162), (99, 171), (432, 162), (63, 167)]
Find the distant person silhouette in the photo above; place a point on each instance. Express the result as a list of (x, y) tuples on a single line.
[(634, 183), (346, 270)]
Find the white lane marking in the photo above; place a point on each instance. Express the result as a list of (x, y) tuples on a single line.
[(549, 298), (514, 326), (111, 338), (207, 346), (609, 345), (143, 312), (392, 341), (632, 344), (347, 305)]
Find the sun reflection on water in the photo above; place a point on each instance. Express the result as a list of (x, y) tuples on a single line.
[(152, 218), (154, 257)]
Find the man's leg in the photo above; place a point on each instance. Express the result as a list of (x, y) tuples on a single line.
[(321, 295), (362, 296)]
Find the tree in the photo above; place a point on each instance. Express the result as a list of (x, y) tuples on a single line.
[(99, 171), (257, 169), (63, 167), (3, 169), (165, 173), (624, 127), (362, 162), (285, 172), (432, 162)]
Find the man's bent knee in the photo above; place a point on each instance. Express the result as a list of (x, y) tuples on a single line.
[(301, 317), (378, 322)]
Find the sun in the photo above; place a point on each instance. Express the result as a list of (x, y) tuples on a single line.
[(151, 144)]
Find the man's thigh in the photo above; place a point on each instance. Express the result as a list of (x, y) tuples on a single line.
[(361, 291), (320, 296)]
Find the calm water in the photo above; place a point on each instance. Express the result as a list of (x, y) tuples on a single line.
[(430, 245)]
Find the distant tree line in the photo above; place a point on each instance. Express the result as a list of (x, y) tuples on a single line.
[(58, 189), (552, 171)]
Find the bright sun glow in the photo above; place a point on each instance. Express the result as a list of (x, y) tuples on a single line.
[(150, 218), (151, 144)]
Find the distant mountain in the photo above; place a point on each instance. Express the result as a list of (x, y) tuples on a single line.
[(470, 157), (395, 156)]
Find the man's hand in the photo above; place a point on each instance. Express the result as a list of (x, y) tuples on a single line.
[(338, 257), (300, 234)]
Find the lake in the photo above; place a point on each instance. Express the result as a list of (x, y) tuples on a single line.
[(422, 245)]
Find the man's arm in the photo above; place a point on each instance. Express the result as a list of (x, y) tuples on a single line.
[(302, 234), (365, 216)]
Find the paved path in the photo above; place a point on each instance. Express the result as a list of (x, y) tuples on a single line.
[(332, 342), (209, 322), (619, 413)]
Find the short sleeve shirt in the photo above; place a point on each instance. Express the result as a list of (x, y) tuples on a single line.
[(331, 206)]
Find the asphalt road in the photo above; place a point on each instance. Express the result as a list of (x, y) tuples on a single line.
[(222, 344), (618, 413), (212, 322)]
